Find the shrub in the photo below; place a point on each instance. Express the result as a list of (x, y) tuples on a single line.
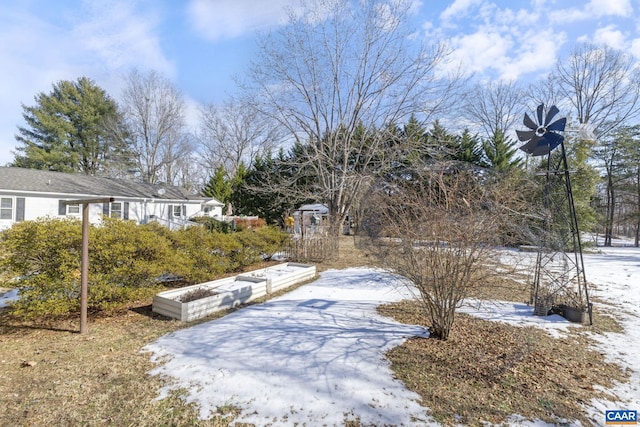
[(249, 223), (258, 245), (126, 261), (439, 232), (131, 255), (206, 254), (45, 257), (213, 224)]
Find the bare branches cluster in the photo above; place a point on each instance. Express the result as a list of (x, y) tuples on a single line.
[(340, 68), (235, 133), (441, 232), (154, 111)]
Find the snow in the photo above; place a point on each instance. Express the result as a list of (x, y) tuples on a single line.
[(315, 356), (516, 314), (312, 355), (8, 297)]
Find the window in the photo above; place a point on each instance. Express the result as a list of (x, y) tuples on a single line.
[(177, 210), (73, 209), (6, 208), (119, 210), (115, 210)]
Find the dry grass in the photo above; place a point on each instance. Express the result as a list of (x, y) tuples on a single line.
[(488, 371), (51, 375)]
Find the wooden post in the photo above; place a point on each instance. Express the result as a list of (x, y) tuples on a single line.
[(84, 269), (84, 260)]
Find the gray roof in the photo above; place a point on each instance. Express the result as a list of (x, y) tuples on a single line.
[(40, 181)]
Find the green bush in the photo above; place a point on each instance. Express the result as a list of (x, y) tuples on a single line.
[(131, 255), (205, 254), (258, 244), (127, 262), (213, 224), (45, 257)]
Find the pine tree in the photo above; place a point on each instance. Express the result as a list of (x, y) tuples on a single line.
[(70, 130), (500, 152), (219, 186)]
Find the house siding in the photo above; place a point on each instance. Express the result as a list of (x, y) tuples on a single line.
[(34, 207), (37, 194)]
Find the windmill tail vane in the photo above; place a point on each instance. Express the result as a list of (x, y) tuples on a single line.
[(542, 136)]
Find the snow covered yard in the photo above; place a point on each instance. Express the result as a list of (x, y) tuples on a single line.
[(315, 356)]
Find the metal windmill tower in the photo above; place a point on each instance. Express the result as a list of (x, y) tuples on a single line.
[(559, 280)]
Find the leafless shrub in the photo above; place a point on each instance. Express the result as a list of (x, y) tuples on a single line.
[(440, 231)]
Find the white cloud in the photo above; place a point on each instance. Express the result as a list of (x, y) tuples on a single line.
[(118, 36), (480, 51), (592, 10), (233, 18), (597, 8), (458, 9), (635, 48), (610, 36), (534, 57)]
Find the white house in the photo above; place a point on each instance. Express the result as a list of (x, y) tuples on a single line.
[(27, 194)]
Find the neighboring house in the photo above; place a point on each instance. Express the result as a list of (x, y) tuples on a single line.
[(27, 194)]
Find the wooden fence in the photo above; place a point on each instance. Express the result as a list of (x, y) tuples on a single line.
[(315, 249)]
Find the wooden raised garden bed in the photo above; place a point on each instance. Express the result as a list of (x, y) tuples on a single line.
[(229, 292), (282, 276)]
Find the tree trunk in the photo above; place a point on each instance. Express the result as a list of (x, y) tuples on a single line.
[(637, 241), (608, 232)]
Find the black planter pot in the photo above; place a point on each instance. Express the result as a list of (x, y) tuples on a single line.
[(575, 314)]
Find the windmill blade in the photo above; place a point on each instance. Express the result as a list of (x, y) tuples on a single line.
[(547, 144), (525, 135), (539, 111), (529, 123), (551, 114), (541, 150), (530, 146), (558, 125), (554, 139)]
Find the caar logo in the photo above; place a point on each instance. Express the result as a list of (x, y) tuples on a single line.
[(621, 417)]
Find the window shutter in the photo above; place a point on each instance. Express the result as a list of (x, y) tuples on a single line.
[(170, 211), (184, 211), (62, 208), (105, 209), (125, 210), (19, 209)]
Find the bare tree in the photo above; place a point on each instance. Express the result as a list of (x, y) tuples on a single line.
[(495, 106), (440, 232), (154, 112), (234, 133), (341, 68), (602, 85)]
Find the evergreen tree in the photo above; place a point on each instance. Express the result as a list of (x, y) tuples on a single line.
[(500, 152), (440, 143), (70, 130), (219, 186), (470, 150)]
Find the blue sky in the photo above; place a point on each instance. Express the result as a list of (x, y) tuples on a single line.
[(201, 44)]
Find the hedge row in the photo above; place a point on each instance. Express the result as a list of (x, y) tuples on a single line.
[(127, 262)]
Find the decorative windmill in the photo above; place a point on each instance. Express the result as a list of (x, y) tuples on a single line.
[(559, 280)]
